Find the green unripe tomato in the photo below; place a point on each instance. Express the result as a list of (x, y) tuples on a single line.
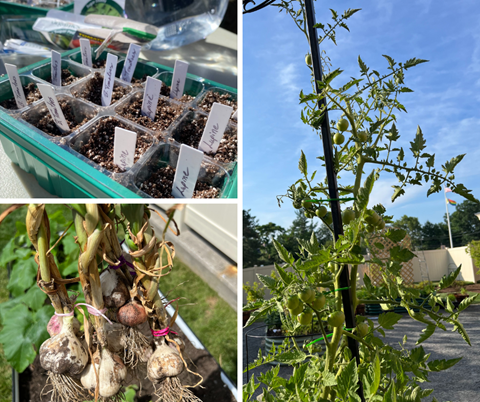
[(328, 218), (347, 216), (308, 214), (362, 136), (321, 211), (342, 125), (319, 302), (306, 294), (292, 302), (338, 139), (381, 224), (362, 329), (305, 318), (336, 319), (297, 310), (297, 204), (370, 228), (308, 59), (372, 217), (307, 205)]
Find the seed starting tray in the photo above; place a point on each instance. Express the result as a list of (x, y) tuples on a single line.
[(64, 172)]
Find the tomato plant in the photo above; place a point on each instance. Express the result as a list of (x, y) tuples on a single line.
[(366, 146)]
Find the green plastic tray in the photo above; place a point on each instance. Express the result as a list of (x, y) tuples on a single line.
[(59, 171)]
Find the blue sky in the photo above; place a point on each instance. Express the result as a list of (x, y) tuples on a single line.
[(445, 101)]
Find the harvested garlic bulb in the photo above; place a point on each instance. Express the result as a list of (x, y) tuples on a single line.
[(64, 353), (165, 362)]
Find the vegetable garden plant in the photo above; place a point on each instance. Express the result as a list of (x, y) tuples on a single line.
[(124, 328), (365, 138)]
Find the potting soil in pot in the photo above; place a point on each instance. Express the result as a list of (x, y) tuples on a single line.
[(215, 97), (191, 133), (99, 147), (160, 184), (93, 90), (67, 77), (32, 94), (165, 115), (165, 91), (48, 126)]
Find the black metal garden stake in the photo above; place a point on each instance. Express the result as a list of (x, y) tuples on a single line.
[(332, 182)]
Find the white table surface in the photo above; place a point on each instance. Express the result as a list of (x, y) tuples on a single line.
[(214, 58)]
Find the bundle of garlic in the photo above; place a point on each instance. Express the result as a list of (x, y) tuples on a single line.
[(126, 328)]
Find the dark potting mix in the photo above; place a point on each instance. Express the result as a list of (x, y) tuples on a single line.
[(99, 147), (93, 90), (32, 94)]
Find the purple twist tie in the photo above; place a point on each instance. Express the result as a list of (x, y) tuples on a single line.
[(123, 261)]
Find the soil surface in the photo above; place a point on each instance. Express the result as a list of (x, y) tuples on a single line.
[(99, 147), (99, 63), (93, 90), (67, 77), (165, 91), (165, 115), (457, 289), (191, 132), (160, 183), (138, 81), (33, 379), (47, 125), (32, 94), (215, 97)]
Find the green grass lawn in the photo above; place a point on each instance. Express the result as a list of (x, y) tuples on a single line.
[(210, 317)]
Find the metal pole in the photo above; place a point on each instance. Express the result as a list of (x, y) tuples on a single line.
[(332, 183), (448, 218)]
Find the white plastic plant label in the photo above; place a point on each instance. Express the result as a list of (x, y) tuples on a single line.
[(186, 174), (178, 80), (56, 68), (150, 97), (124, 144), (130, 62), (215, 127), (86, 51), (51, 101), (16, 84), (109, 79)]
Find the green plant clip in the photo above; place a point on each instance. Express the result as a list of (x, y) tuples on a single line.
[(332, 199), (328, 336), (336, 290)]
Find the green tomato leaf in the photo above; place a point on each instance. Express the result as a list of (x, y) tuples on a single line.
[(8, 253), (267, 281), (291, 357), (302, 164), (440, 365), (388, 320), (447, 280), (426, 333), (347, 381)]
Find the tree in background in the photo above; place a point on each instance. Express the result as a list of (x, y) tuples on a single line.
[(258, 248), (465, 225), (251, 240)]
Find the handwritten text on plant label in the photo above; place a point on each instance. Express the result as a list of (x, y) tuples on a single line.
[(130, 62), (124, 144), (16, 85), (109, 79), (187, 170), (215, 127), (86, 52), (51, 101), (178, 80), (150, 97), (56, 68)]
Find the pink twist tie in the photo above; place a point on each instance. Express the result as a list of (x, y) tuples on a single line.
[(91, 310), (163, 332)]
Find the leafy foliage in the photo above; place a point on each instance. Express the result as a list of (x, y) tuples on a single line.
[(308, 292), (25, 316)]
